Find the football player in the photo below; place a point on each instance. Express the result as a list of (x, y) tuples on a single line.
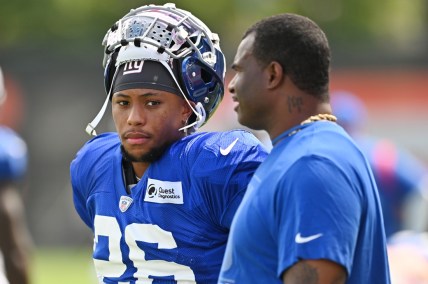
[(401, 178), (14, 237), (158, 195)]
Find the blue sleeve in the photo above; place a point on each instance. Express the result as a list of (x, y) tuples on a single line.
[(317, 200), (13, 156), (78, 176), (224, 178), (85, 170)]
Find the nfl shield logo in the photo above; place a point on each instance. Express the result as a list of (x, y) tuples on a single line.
[(124, 203)]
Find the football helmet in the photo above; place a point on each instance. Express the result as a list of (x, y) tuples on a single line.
[(182, 43)]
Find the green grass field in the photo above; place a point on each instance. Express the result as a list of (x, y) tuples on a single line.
[(62, 265)]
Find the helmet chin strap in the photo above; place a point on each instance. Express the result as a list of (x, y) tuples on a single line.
[(90, 128)]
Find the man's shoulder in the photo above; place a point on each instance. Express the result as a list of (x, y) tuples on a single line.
[(98, 148), (237, 140), (222, 148), (102, 142)]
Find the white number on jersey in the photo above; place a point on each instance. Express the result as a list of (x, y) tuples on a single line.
[(108, 226)]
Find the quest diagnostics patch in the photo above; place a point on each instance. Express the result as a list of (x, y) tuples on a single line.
[(159, 191)]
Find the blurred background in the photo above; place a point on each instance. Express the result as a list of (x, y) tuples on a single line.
[(51, 54)]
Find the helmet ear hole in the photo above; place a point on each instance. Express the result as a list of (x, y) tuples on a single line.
[(205, 76), (203, 83)]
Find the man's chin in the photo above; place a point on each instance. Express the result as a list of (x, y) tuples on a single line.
[(148, 157)]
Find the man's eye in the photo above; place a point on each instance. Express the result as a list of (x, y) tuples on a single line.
[(123, 103), (153, 103)]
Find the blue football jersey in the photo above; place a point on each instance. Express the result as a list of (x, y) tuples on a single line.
[(13, 155), (173, 226)]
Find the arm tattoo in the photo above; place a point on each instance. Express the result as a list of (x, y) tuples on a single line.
[(303, 272), (306, 274), (294, 102)]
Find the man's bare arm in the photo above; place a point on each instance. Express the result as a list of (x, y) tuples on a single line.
[(315, 272), (14, 238)]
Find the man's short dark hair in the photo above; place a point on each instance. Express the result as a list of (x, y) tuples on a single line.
[(299, 45)]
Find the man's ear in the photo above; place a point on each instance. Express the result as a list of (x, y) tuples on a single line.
[(275, 75), (187, 111)]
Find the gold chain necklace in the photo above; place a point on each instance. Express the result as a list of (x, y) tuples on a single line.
[(318, 117)]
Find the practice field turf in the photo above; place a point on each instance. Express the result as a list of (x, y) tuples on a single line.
[(62, 265)]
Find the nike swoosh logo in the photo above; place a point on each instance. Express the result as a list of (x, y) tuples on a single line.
[(301, 240), (227, 150)]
